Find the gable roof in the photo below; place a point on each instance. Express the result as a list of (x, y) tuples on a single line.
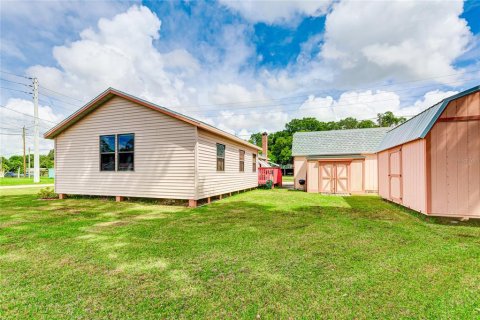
[(419, 126), (111, 93), (337, 142)]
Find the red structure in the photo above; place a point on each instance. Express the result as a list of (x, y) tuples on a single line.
[(274, 174)]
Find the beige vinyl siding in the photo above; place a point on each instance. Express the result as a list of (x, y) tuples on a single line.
[(164, 154), (209, 181)]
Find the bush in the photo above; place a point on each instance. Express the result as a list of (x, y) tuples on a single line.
[(47, 193)]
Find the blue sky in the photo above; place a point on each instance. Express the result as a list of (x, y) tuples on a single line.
[(242, 66)]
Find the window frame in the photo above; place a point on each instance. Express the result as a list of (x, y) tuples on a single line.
[(217, 156), (100, 152), (254, 162), (241, 162), (118, 151)]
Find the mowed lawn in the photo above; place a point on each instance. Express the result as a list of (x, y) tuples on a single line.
[(273, 254), (24, 181)]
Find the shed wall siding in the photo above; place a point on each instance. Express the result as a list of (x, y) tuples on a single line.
[(212, 183), (312, 176), (414, 175), (356, 176), (164, 154), (299, 171), (383, 183), (371, 173), (455, 160), (412, 166)]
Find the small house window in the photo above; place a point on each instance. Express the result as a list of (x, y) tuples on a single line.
[(126, 144), (242, 160), (254, 162), (220, 157), (107, 153)]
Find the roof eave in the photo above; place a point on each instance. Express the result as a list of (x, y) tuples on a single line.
[(110, 93)]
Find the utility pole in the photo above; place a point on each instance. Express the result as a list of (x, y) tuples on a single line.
[(29, 162), (36, 156), (24, 159)]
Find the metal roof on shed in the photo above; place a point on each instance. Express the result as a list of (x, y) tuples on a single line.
[(419, 126), (337, 142)]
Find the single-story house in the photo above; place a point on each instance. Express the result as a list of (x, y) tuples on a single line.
[(337, 161), (431, 163), (123, 146)]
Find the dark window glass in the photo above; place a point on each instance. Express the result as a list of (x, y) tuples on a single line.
[(107, 162), (242, 161), (126, 143), (220, 157), (125, 161), (107, 153), (107, 143), (254, 162)]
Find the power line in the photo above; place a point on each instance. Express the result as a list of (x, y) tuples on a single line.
[(17, 75), (12, 89), (45, 95), (59, 93), (350, 89), (15, 82), (50, 102), (25, 114)]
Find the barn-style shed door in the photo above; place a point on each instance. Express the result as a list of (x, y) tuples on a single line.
[(333, 177), (395, 175)]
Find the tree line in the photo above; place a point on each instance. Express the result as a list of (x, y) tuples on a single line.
[(15, 162), (280, 142)]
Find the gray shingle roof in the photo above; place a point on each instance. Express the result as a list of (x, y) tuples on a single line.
[(419, 126), (337, 142)]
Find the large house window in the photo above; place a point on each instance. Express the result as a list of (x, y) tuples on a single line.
[(254, 162), (117, 152), (242, 160), (220, 157), (107, 153), (126, 144)]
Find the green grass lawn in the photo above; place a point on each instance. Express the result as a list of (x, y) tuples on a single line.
[(23, 181), (287, 178), (274, 253)]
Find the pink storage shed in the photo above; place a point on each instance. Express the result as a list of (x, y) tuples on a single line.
[(431, 163)]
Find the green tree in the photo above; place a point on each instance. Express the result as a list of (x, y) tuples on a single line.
[(388, 119), (256, 139), (5, 164), (15, 163), (366, 124), (45, 161)]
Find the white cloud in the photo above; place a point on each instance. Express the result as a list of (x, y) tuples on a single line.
[(366, 105), (395, 39), (277, 11), (361, 105), (120, 53), (429, 99)]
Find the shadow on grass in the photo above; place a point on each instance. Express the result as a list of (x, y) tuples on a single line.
[(392, 208)]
